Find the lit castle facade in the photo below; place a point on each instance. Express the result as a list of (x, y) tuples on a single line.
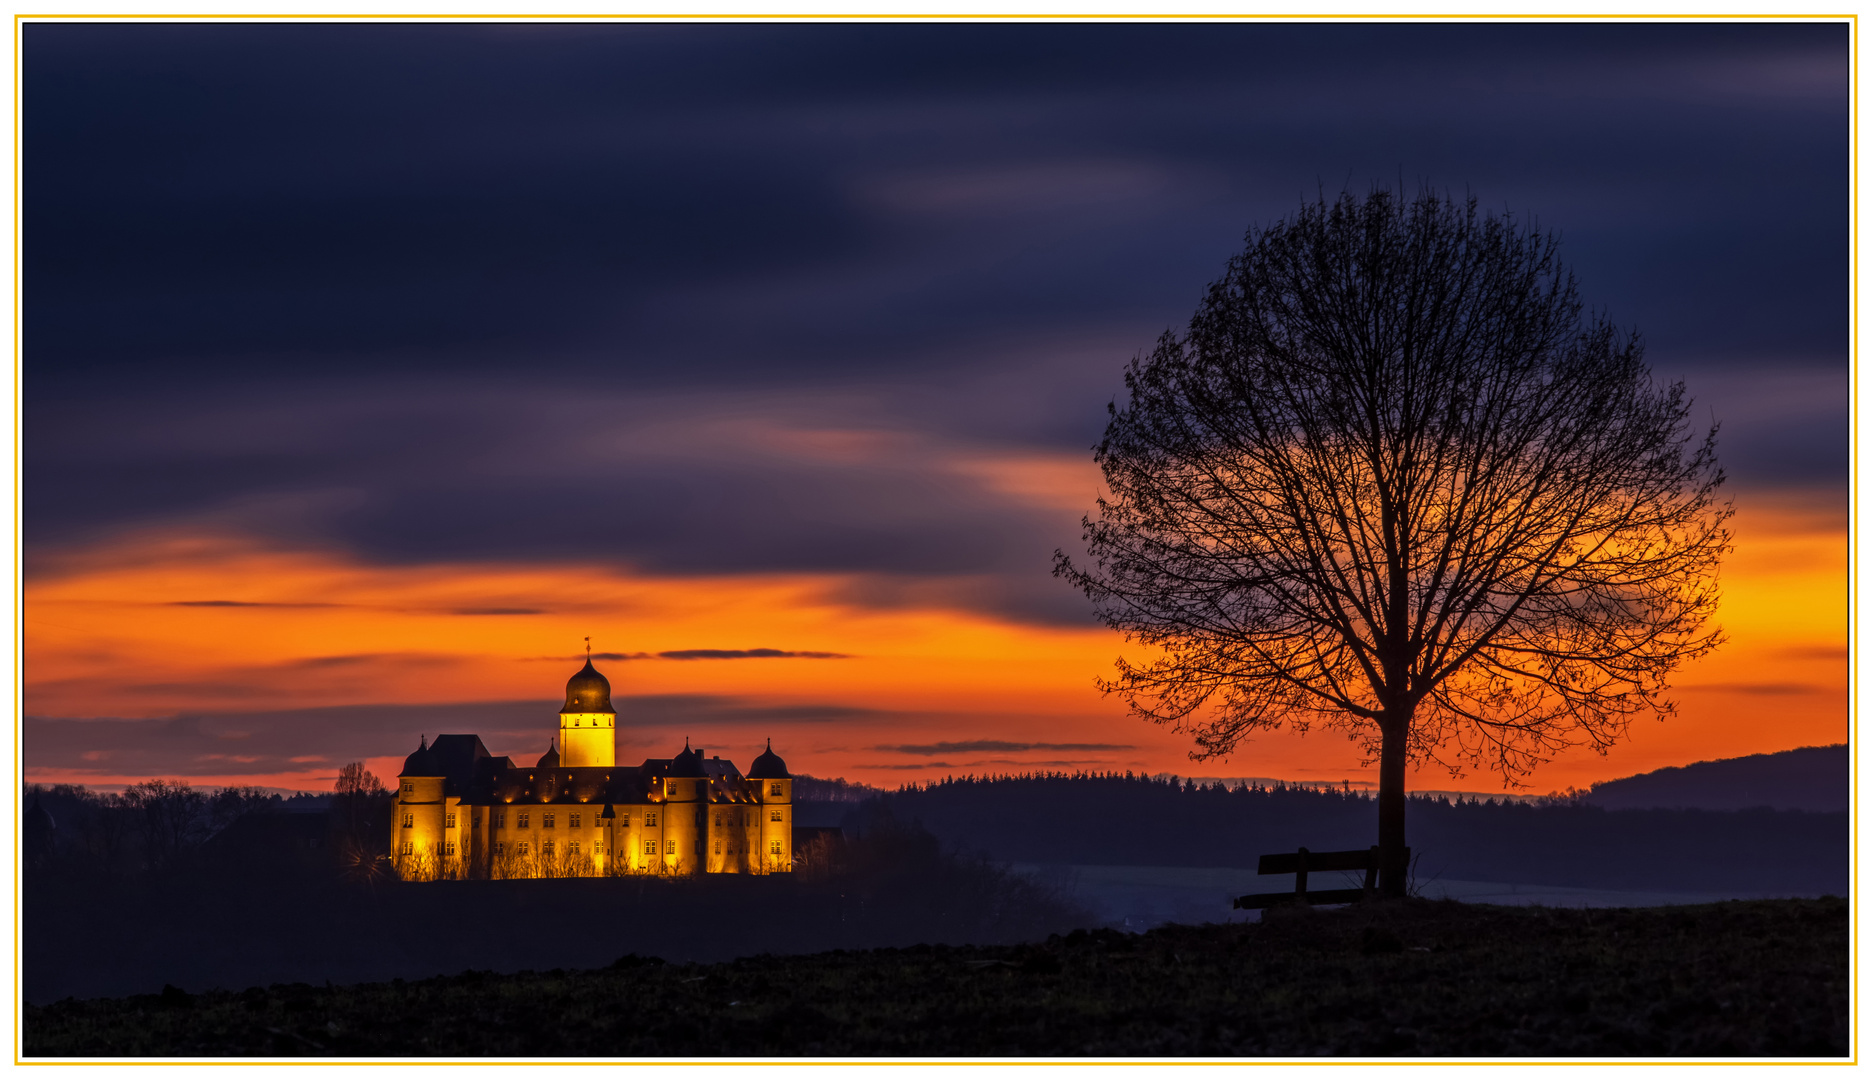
[(461, 813)]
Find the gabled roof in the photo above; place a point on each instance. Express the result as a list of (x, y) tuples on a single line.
[(457, 755), (721, 768), (595, 784)]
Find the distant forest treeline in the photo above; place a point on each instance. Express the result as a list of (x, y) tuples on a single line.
[(1126, 820), (1808, 778)]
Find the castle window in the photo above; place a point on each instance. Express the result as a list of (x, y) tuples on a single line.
[(718, 821), (718, 847), (776, 816), (598, 848), (500, 847), (572, 849), (449, 848), (671, 850), (650, 820), (776, 789), (649, 847), (574, 823), (408, 787), (409, 847), (773, 848), (523, 820), (497, 818), (409, 821), (449, 822), (548, 822), (523, 847), (546, 849)]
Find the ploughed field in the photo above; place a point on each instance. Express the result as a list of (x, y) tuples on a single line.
[(1414, 977)]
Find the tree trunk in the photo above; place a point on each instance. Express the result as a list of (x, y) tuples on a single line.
[(1392, 863)]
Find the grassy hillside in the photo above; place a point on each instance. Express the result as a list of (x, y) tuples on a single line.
[(1403, 979)]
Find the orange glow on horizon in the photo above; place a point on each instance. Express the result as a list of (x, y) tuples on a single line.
[(161, 626)]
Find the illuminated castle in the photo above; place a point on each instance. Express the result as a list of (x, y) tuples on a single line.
[(460, 812)]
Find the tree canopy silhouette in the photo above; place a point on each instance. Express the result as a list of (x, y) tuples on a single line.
[(1395, 480)]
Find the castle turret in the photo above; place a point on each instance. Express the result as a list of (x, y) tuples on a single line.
[(587, 722), (774, 789), (417, 828), (685, 801)]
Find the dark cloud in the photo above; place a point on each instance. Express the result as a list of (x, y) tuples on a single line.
[(979, 746), (1764, 689), (919, 766), (615, 292), (240, 604), (254, 742), (745, 654), (1818, 652), (708, 710), (708, 654)]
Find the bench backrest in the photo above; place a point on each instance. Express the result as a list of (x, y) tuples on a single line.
[(1294, 862)]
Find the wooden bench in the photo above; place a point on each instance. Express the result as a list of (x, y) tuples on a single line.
[(1303, 862)]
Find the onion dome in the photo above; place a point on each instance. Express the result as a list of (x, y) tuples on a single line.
[(550, 759), (688, 763), (768, 766), (588, 692), (422, 763)]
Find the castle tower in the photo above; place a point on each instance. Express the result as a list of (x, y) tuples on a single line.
[(774, 789), (685, 804), (587, 723), (417, 829)]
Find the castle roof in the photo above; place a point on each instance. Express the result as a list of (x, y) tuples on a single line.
[(588, 692), (687, 764), (457, 756), (550, 759), (598, 785), (768, 766), (422, 762)]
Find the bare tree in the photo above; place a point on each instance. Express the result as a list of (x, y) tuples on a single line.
[(1394, 481), (172, 817), (360, 815), (230, 804)]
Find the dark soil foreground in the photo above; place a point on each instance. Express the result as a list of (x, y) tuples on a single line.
[(1412, 978)]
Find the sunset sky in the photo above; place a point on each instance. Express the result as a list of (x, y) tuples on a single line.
[(368, 369)]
